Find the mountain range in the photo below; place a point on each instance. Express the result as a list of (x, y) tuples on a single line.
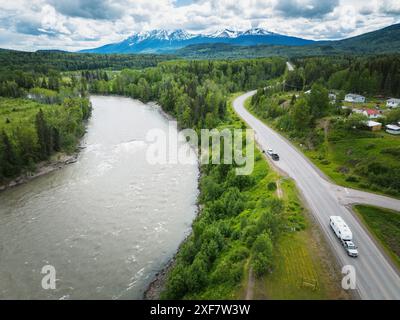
[(166, 41), (383, 41)]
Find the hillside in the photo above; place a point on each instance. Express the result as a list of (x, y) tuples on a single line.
[(381, 41)]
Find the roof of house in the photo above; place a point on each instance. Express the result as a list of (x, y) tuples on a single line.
[(372, 112), (395, 100), (373, 124), (353, 95)]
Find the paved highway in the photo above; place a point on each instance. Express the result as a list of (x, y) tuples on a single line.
[(375, 276)]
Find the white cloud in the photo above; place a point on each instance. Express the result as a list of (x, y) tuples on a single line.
[(77, 24)]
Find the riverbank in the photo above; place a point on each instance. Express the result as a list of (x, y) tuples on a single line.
[(154, 289), (57, 162)]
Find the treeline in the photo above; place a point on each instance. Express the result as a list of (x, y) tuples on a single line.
[(372, 75), (192, 91), (22, 71), (43, 61)]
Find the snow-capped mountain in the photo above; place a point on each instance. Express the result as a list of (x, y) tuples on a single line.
[(162, 41), (257, 32), (161, 35), (226, 33)]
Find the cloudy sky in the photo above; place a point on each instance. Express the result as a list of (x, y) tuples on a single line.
[(79, 24)]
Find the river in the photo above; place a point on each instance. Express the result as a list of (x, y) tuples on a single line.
[(107, 223)]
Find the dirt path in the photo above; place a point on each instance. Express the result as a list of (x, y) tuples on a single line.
[(279, 191), (250, 285)]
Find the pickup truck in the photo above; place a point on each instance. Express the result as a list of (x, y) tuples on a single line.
[(350, 248)]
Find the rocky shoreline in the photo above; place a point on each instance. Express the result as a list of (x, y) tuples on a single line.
[(57, 162), (155, 288)]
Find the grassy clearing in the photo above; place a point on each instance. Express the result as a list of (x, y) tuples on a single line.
[(16, 113), (341, 160), (300, 272), (384, 224)]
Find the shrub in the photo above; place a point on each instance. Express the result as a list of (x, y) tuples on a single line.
[(352, 179), (272, 186), (392, 151), (262, 251)]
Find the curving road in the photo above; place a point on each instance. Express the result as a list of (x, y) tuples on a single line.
[(375, 276)]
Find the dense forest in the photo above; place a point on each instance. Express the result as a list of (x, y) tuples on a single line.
[(378, 75), (192, 91)]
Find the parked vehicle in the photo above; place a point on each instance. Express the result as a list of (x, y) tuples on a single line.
[(344, 234), (270, 152)]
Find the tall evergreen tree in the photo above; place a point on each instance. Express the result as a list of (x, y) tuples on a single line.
[(9, 164)]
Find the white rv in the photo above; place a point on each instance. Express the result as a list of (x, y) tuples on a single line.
[(344, 234)]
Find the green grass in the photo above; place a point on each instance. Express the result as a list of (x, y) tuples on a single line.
[(340, 160), (384, 224), (299, 272)]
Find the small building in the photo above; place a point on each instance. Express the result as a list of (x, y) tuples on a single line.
[(372, 113), (393, 129), (332, 97), (374, 126), (393, 103), (354, 98)]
